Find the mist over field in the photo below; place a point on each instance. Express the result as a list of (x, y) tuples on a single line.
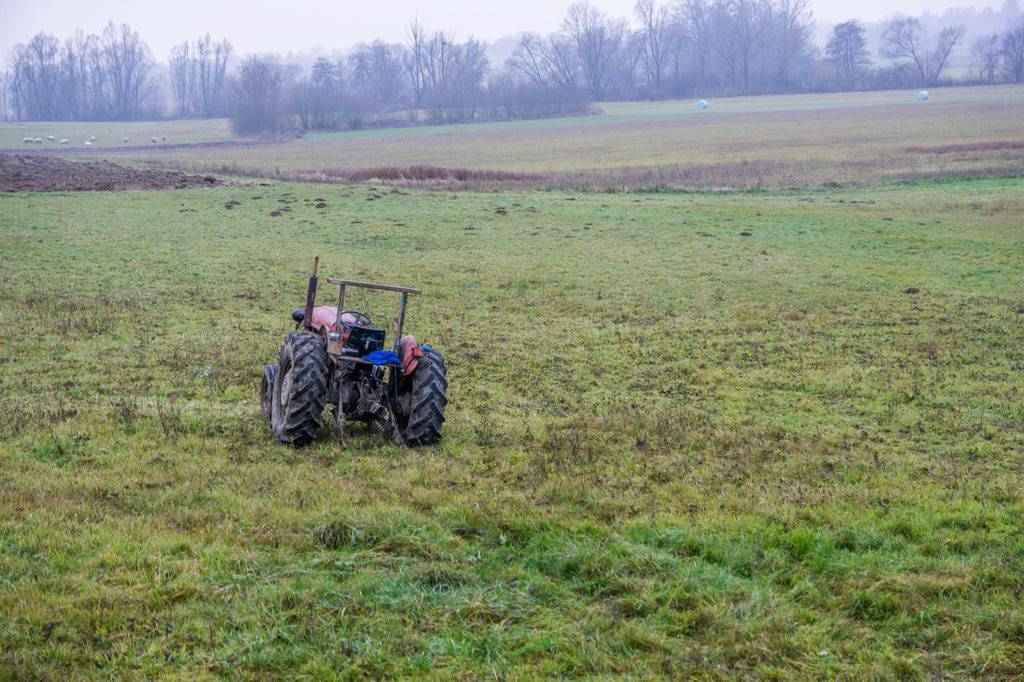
[(299, 27), (463, 67), (669, 339)]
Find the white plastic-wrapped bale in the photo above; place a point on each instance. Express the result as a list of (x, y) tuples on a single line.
[(923, 95), (702, 104)]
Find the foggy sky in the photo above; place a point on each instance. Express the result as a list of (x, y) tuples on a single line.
[(304, 25)]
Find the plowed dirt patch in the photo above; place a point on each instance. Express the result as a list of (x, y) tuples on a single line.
[(23, 173)]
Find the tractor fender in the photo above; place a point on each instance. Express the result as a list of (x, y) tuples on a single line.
[(409, 352)]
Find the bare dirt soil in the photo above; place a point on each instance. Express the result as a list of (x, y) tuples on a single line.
[(24, 173)]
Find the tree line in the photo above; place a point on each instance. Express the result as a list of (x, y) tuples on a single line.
[(86, 77), (430, 78), (672, 48)]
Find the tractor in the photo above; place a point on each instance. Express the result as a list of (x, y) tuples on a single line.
[(337, 357)]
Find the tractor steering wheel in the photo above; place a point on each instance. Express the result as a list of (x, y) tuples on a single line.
[(361, 319)]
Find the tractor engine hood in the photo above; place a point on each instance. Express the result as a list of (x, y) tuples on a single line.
[(324, 318)]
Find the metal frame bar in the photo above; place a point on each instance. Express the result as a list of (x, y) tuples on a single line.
[(349, 358), (307, 320), (342, 283), (371, 285), (341, 306), (401, 319)]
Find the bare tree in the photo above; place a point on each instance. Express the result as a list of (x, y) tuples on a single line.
[(416, 58), (198, 72), (5, 84), (1013, 53), (258, 95), (949, 38), (986, 56), (126, 61), (181, 68), (598, 42), (211, 73), (657, 39), (696, 17), (749, 23), (546, 61), (786, 37), (317, 101), (36, 67), (440, 62), (738, 27), (902, 39), (847, 50), (377, 73)]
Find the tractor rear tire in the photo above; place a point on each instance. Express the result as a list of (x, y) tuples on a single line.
[(426, 400), (300, 389), (267, 391)]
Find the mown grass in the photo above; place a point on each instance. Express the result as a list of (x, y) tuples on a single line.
[(690, 435)]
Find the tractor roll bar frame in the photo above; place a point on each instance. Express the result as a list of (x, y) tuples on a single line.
[(342, 284)]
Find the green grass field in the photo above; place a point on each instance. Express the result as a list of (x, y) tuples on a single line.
[(112, 134), (766, 434)]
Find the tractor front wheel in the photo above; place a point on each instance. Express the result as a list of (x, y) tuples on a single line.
[(300, 389)]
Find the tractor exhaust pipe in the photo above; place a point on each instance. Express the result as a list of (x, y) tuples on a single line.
[(307, 321)]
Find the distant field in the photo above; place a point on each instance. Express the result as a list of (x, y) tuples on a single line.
[(770, 435), (112, 134), (774, 141), (743, 142)]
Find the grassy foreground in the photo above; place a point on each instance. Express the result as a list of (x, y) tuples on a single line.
[(774, 435)]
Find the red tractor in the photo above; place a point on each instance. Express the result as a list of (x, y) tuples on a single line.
[(337, 357)]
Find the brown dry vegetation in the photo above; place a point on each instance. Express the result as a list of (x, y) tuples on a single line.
[(972, 147), (426, 177)]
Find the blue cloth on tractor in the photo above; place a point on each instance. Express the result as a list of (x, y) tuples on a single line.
[(383, 357)]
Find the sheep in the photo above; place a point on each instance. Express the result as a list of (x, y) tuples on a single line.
[(92, 139), (153, 139), (39, 140), (28, 140), (125, 140), (65, 140), (702, 104), (51, 138), (88, 143), (163, 139)]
